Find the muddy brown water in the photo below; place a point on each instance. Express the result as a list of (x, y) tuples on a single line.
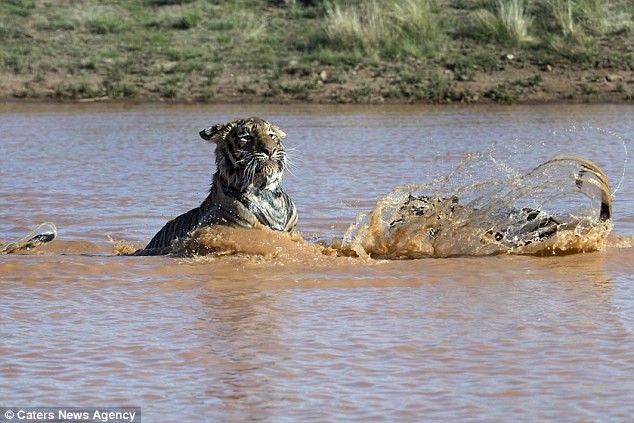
[(290, 334)]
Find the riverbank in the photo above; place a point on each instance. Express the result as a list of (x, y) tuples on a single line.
[(311, 51)]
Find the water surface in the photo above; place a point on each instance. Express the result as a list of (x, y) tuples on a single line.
[(304, 337)]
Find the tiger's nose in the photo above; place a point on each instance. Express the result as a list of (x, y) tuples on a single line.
[(270, 151)]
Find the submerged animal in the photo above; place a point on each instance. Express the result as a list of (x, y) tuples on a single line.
[(245, 190), (515, 227)]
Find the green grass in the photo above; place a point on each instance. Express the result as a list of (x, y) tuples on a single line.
[(383, 29), (192, 50), (575, 28), (549, 22), (509, 24)]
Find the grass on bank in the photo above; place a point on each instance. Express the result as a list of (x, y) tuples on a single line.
[(508, 25), (184, 49), (580, 25), (390, 29), (384, 29)]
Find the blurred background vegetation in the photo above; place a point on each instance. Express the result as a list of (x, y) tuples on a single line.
[(312, 50)]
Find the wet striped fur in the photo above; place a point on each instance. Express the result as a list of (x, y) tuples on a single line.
[(245, 190)]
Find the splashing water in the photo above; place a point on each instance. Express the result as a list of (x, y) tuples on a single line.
[(45, 232), (561, 206)]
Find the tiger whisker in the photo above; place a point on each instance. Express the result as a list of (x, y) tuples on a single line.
[(290, 166)]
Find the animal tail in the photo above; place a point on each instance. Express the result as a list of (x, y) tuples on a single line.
[(46, 232), (590, 176), (590, 180)]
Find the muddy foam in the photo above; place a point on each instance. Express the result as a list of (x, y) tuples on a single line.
[(224, 240)]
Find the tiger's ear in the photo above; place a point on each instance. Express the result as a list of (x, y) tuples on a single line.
[(217, 132), (208, 132)]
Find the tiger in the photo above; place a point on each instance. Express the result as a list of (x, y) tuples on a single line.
[(524, 225), (245, 190)]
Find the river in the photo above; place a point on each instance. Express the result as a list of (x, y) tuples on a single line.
[(289, 337)]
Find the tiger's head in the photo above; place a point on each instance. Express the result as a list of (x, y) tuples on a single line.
[(248, 151)]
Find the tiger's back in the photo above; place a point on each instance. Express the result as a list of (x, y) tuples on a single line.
[(179, 227)]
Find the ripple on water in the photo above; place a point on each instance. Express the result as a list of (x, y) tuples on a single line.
[(303, 337)]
